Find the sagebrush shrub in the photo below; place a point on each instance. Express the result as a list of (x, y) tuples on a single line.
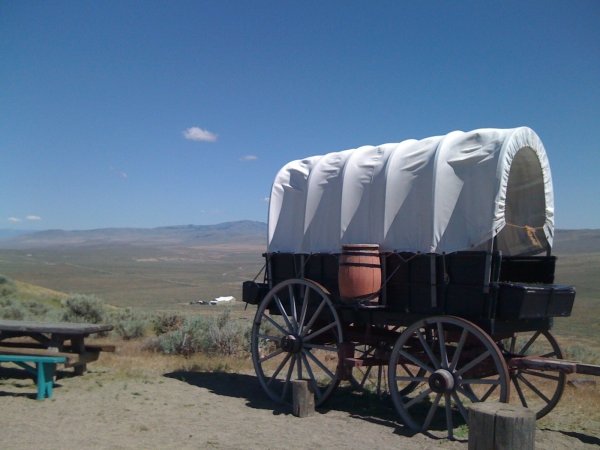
[(7, 286), (12, 310), (129, 324), (166, 322), (84, 308), (36, 309), (131, 329), (219, 335)]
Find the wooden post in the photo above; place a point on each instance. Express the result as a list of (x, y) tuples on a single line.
[(303, 399), (501, 426)]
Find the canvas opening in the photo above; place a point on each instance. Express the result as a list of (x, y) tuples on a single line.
[(525, 212)]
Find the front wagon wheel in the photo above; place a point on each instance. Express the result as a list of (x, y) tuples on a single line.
[(296, 335), (451, 363)]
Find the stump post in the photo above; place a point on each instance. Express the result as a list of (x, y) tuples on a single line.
[(501, 426), (303, 399)]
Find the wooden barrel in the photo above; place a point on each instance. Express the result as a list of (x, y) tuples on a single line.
[(359, 275)]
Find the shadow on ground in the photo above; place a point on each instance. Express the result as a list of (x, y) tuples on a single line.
[(359, 405), (585, 438), (12, 379)]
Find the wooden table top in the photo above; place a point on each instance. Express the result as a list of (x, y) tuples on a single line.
[(53, 327)]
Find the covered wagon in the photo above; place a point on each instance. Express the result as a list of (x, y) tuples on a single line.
[(421, 268)]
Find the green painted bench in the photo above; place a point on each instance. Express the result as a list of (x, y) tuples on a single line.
[(43, 370)]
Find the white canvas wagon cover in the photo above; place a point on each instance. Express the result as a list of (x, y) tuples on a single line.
[(439, 194)]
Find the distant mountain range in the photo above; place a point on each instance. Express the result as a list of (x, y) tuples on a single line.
[(243, 232)]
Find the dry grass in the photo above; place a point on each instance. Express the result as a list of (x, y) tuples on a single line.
[(131, 358), (577, 410)]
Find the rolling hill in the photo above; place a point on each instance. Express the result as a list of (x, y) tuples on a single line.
[(243, 232)]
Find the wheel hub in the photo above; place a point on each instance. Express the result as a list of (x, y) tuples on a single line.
[(291, 343), (441, 381)]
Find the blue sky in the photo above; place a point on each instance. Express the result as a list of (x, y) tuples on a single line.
[(148, 113)]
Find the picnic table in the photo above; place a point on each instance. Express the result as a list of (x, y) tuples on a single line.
[(62, 339)]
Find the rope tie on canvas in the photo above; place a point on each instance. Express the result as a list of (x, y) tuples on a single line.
[(531, 233)]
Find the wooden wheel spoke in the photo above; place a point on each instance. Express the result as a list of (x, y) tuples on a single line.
[(281, 365), (432, 409), (313, 380), (267, 337), (468, 392), (415, 361), (314, 317), (368, 352), (365, 376), (271, 355), (406, 369), (473, 363), (533, 388), (442, 342), (449, 424), (287, 380), (303, 309), (320, 364), (276, 325), (413, 378), (459, 348), (513, 344), (540, 375), (283, 314), (418, 398), (379, 378), (298, 367), (320, 331), (293, 310), (489, 392), (463, 411), (519, 391), (529, 342), (428, 350)]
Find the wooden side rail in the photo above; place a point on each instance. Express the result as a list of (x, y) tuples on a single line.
[(43, 370), (68, 348), (70, 359)]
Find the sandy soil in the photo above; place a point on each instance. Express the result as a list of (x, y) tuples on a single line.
[(109, 409)]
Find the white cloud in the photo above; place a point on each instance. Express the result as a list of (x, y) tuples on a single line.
[(249, 158), (200, 135), (14, 219), (119, 173), (33, 217), (266, 199)]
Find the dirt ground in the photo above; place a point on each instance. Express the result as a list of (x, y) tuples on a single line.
[(107, 408)]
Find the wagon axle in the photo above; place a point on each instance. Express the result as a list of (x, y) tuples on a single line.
[(291, 343), (441, 381)]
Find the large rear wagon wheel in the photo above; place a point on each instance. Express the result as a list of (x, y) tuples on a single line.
[(296, 334), (537, 390), (450, 363)]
